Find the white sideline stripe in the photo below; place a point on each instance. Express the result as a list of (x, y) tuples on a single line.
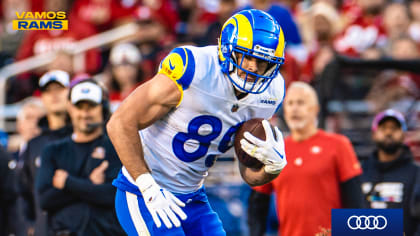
[(133, 208)]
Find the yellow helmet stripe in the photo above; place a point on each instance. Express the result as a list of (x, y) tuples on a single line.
[(245, 33), (280, 46)]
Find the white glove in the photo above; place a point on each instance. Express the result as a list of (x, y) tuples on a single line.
[(160, 202), (270, 152)]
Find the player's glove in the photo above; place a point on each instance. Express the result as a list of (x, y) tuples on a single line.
[(160, 202), (270, 152)]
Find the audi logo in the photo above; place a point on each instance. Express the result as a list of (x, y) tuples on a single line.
[(367, 222)]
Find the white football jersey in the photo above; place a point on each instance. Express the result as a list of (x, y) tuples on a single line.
[(183, 145)]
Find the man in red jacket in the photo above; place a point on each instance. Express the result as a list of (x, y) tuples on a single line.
[(323, 173)]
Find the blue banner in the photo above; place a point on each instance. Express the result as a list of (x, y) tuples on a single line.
[(371, 222)]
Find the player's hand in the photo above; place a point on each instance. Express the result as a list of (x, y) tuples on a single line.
[(270, 152), (160, 202)]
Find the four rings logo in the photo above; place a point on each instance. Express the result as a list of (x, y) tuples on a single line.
[(367, 222)]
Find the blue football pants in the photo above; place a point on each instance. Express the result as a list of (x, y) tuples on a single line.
[(135, 218)]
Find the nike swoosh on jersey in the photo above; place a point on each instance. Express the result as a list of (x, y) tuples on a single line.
[(171, 66)]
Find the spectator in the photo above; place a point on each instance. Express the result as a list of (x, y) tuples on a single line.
[(404, 48), (97, 13), (389, 175), (372, 53), (283, 17), (126, 73), (288, 24), (164, 12), (226, 9), (37, 42), (8, 195), (392, 87), (64, 61), (102, 14), (291, 70), (27, 128), (414, 28), (316, 63), (9, 38), (74, 180), (319, 27), (323, 173), (365, 28), (153, 37), (325, 55), (42, 41), (396, 20), (194, 19), (55, 125), (26, 125)]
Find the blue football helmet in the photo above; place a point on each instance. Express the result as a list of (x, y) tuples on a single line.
[(251, 33)]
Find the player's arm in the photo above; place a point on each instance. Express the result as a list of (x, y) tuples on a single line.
[(148, 103), (270, 152), (255, 177), (143, 107)]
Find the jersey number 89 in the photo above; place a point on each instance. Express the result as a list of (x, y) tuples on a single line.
[(203, 139)]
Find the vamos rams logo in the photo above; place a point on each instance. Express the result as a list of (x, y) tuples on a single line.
[(49, 20)]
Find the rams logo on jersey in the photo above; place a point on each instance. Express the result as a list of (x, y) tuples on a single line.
[(268, 101), (179, 66)]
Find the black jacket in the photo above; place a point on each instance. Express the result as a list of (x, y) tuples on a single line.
[(391, 185), (31, 162), (8, 194), (81, 207)]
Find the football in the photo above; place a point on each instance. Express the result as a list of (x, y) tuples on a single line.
[(255, 127)]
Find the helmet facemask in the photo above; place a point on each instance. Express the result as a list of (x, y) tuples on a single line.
[(253, 82)]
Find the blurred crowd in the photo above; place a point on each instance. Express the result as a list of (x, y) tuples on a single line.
[(316, 31)]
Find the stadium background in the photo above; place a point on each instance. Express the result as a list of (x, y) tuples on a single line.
[(362, 56)]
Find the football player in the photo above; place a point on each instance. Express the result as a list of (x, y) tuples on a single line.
[(169, 131)]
